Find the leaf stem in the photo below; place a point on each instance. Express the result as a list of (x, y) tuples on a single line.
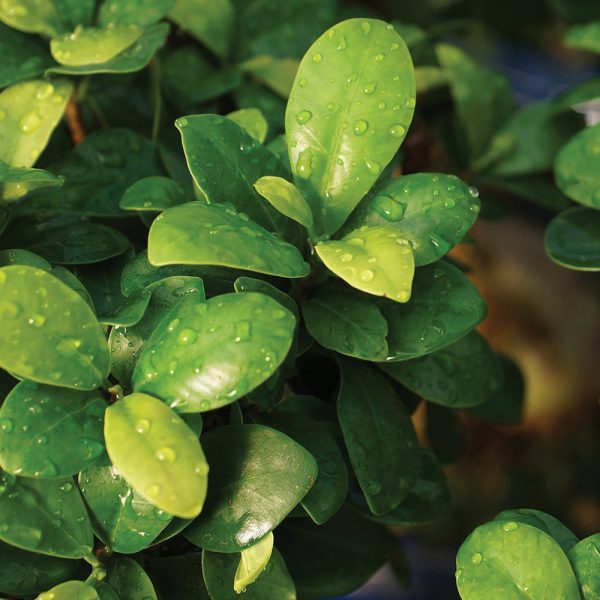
[(156, 97)]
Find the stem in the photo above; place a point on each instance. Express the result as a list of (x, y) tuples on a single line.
[(74, 121), (156, 97)]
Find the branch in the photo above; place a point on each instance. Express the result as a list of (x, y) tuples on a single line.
[(74, 122)]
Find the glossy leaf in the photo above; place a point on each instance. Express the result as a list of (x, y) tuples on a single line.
[(130, 312), (133, 12), (49, 336), (274, 583), (122, 518), (286, 198), (379, 436), (249, 284), (432, 211), (577, 167), (350, 324), (157, 454), (30, 112), (129, 580), (572, 239), (154, 193), (464, 374), (209, 21), (48, 432), (376, 260), (252, 121), (249, 461), (253, 561), (17, 181), (17, 256), (341, 135), (502, 558), (70, 590), (585, 560), (212, 234), (46, 516), (32, 16)]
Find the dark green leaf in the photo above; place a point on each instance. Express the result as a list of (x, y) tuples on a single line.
[(130, 581), (446, 433), (133, 12), (276, 73), (130, 312), (16, 256), (154, 194)]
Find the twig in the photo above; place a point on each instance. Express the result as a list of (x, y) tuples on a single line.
[(74, 122)]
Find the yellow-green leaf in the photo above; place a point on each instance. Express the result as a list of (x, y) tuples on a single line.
[(286, 198), (253, 561)]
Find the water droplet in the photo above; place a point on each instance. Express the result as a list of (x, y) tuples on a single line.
[(278, 314), (367, 275), (397, 131), (373, 487), (304, 164), (394, 46), (182, 122), (201, 469), (6, 425), (342, 43), (474, 192), (9, 309), (42, 440), (379, 57), (37, 320), (352, 77), (242, 331), (510, 526), (44, 90), (317, 57), (173, 325), (187, 336), (302, 82), (360, 127), (30, 122), (346, 258), (369, 88), (402, 296), (366, 27), (142, 426), (66, 487), (372, 166), (166, 454), (304, 116), (477, 558)]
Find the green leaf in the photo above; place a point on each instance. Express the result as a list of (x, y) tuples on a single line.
[(577, 167), (180, 576), (157, 454), (30, 111), (443, 308), (64, 275), (132, 59), (129, 580), (212, 234), (91, 45), (585, 560), (32, 16), (464, 374), (211, 22), (23, 573), (482, 98), (584, 37), (130, 312), (379, 436), (70, 590), (122, 518), (74, 12), (225, 162), (252, 121), (274, 583), (341, 135), (333, 559), (350, 324), (375, 260), (205, 355), (277, 74), (154, 193), (133, 12), (49, 334), (572, 239), (432, 211), (502, 558), (249, 284), (17, 181), (50, 432), (249, 462), (253, 561), (563, 536), (16, 256), (46, 516), (286, 198)]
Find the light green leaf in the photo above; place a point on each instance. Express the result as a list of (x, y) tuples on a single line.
[(157, 454), (49, 334), (16, 256), (584, 37), (17, 181), (205, 355), (252, 121), (212, 234), (253, 561), (286, 198), (32, 16), (155, 193), (70, 590), (376, 260), (129, 580), (278, 74), (133, 12), (249, 284), (342, 134), (585, 560)]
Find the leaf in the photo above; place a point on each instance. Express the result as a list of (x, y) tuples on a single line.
[(129, 580), (337, 146), (212, 234), (584, 37), (564, 537), (16, 256), (286, 198), (74, 12), (443, 308), (375, 260), (132, 59), (49, 334), (211, 22), (157, 454), (23, 56), (17, 181), (249, 284), (32, 16), (71, 590), (154, 193), (73, 282), (333, 559), (205, 355), (432, 211), (91, 45), (502, 558), (253, 561), (252, 121), (482, 98), (123, 519), (350, 324), (274, 583), (577, 167), (24, 573), (464, 374), (46, 516), (180, 576), (277, 74), (585, 560), (572, 239), (50, 432), (379, 436), (130, 312), (225, 162), (133, 12), (30, 111), (249, 462)]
